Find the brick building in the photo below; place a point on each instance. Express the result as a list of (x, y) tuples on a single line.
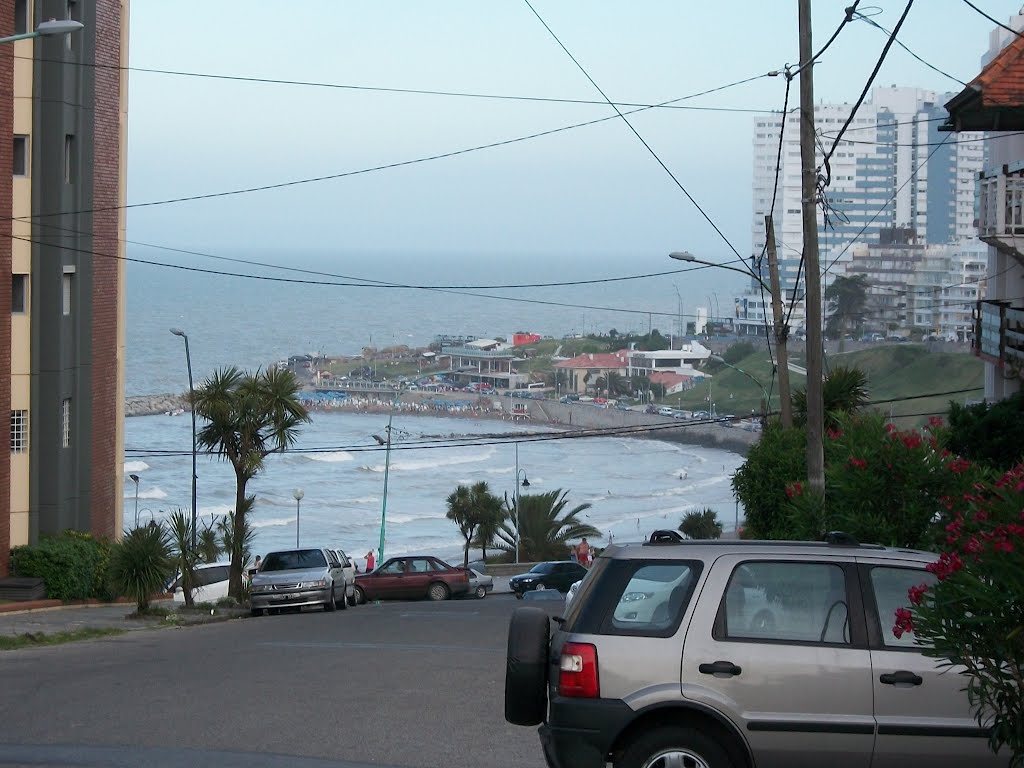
[(62, 315)]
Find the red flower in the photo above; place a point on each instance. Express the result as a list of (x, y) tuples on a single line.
[(912, 441), (973, 546), (958, 465), (833, 434), (858, 463), (890, 428), (947, 564), (934, 421), (794, 489), (904, 622), (1002, 546), (917, 593)]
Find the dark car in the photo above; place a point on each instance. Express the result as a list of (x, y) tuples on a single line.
[(410, 578), (554, 574)]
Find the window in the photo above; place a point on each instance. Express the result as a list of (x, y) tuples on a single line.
[(654, 597), (66, 286), (19, 431), (20, 161), (65, 422), (332, 558), (20, 17), (787, 602), (19, 292), (70, 153), (890, 586)]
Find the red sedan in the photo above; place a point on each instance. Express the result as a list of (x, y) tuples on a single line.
[(410, 578)]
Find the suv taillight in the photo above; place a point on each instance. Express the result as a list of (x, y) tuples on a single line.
[(577, 676)]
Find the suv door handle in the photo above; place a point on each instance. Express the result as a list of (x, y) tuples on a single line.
[(895, 678), (719, 668)]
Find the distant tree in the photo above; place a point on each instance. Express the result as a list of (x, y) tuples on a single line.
[(616, 384), (992, 434), (544, 531), (844, 392), (248, 416), (701, 525), (613, 334), (600, 385), (846, 297)]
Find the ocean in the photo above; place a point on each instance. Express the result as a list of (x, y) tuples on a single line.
[(634, 486)]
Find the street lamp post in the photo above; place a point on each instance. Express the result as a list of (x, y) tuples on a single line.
[(49, 28), (192, 408), (525, 484), (135, 479), (764, 410), (297, 494)]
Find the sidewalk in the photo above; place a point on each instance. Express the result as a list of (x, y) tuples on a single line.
[(69, 618)]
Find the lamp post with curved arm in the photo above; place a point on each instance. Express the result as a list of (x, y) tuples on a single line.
[(765, 401), (192, 408), (49, 28), (525, 484)]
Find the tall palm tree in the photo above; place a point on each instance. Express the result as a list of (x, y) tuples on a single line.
[(544, 531), (248, 416), (472, 508), (491, 515)]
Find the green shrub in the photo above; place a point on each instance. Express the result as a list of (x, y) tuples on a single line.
[(141, 563), (73, 565), (777, 459)]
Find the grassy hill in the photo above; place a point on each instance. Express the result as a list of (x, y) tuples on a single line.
[(894, 372)]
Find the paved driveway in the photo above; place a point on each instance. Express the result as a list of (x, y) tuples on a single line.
[(400, 684)]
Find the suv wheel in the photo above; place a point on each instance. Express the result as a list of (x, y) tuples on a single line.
[(526, 667), (669, 746)]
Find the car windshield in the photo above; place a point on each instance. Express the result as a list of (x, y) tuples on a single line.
[(294, 560), (543, 568)]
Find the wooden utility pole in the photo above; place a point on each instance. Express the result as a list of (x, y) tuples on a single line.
[(812, 273), (780, 327)]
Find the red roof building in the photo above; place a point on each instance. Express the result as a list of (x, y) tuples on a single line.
[(583, 371)]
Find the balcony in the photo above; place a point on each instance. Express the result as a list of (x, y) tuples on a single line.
[(1001, 207), (999, 334)]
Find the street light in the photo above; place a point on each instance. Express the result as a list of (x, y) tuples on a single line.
[(525, 484), (687, 256), (297, 494), (49, 28), (135, 479), (192, 402)]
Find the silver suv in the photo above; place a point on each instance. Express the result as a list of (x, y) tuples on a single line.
[(735, 654)]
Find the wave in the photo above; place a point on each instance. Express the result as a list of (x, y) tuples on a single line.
[(273, 523), (362, 500), (433, 462), (215, 511), (331, 458), (149, 493), (135, 466)]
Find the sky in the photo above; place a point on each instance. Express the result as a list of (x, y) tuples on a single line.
[(593, 190)]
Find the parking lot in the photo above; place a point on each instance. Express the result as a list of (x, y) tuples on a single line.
[(395, 684)]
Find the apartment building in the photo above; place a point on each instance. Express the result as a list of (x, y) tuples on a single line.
[(891, 170), (62, 315)]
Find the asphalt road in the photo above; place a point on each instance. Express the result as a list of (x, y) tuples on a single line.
[(399, 684)]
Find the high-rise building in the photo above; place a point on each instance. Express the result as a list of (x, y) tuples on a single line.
[(63, 101), (892, 170)]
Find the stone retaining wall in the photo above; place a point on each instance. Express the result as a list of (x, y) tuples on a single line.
[(149, 405)]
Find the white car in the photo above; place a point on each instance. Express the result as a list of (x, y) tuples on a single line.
[(348, 569), (211, 583)]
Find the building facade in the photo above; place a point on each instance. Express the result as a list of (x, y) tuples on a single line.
[(888, 172), (62, 333)]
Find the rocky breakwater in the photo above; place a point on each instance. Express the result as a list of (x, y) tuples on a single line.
[(149, 405)]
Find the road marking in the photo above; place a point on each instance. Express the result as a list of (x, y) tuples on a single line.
[(454, 614), (383, 646)]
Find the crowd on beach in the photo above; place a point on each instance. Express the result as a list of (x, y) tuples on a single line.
[(431, 407)]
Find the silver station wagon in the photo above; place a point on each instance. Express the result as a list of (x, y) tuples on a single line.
[(736, 654)]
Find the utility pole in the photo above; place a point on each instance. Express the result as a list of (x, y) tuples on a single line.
[(781, 329), (812, 273)]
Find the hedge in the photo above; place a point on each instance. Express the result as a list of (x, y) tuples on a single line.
[(73, 565)]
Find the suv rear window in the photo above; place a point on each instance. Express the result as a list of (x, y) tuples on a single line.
[(633, 597)]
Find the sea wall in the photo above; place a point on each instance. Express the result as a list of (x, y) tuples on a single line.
[(148, 405), (583, 416)]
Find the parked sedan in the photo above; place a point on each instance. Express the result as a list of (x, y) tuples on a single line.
[(479, 583), (294, 578), (554, 574), (411, 578)]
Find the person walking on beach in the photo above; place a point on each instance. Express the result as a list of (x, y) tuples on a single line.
[(370, 563), (583, 553), (573, 554)]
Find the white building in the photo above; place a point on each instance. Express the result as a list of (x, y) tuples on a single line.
[(682, 361), (888, 172)]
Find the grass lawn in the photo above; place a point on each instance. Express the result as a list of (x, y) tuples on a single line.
[(35, 640)]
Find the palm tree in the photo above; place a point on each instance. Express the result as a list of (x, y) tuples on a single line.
[(843, 391), (208, 547), (491, 516), (182, 554), (701, 525), (242, 543), (471, 509), (248, 416), (141, 563), (544, 532), (617, 384)]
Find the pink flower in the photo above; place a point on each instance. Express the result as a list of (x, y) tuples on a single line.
[(934, 421), (1002, 546), (794, 489), (858, 463), (917, 593), (904, 622), (833, 434), (890, 428), (973, 546), (912, 441), (947, 564), (958, 465)]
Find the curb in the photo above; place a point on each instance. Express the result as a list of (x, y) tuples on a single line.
[(32, 606)]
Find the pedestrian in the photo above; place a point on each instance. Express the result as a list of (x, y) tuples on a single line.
[(573, 554), (369, 561), (583, 553)]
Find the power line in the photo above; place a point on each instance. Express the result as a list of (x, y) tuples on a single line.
[(930, 66), (636, 133), (850, 12), (997, 23), (417, 91), (357, 172), (927, 143)]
